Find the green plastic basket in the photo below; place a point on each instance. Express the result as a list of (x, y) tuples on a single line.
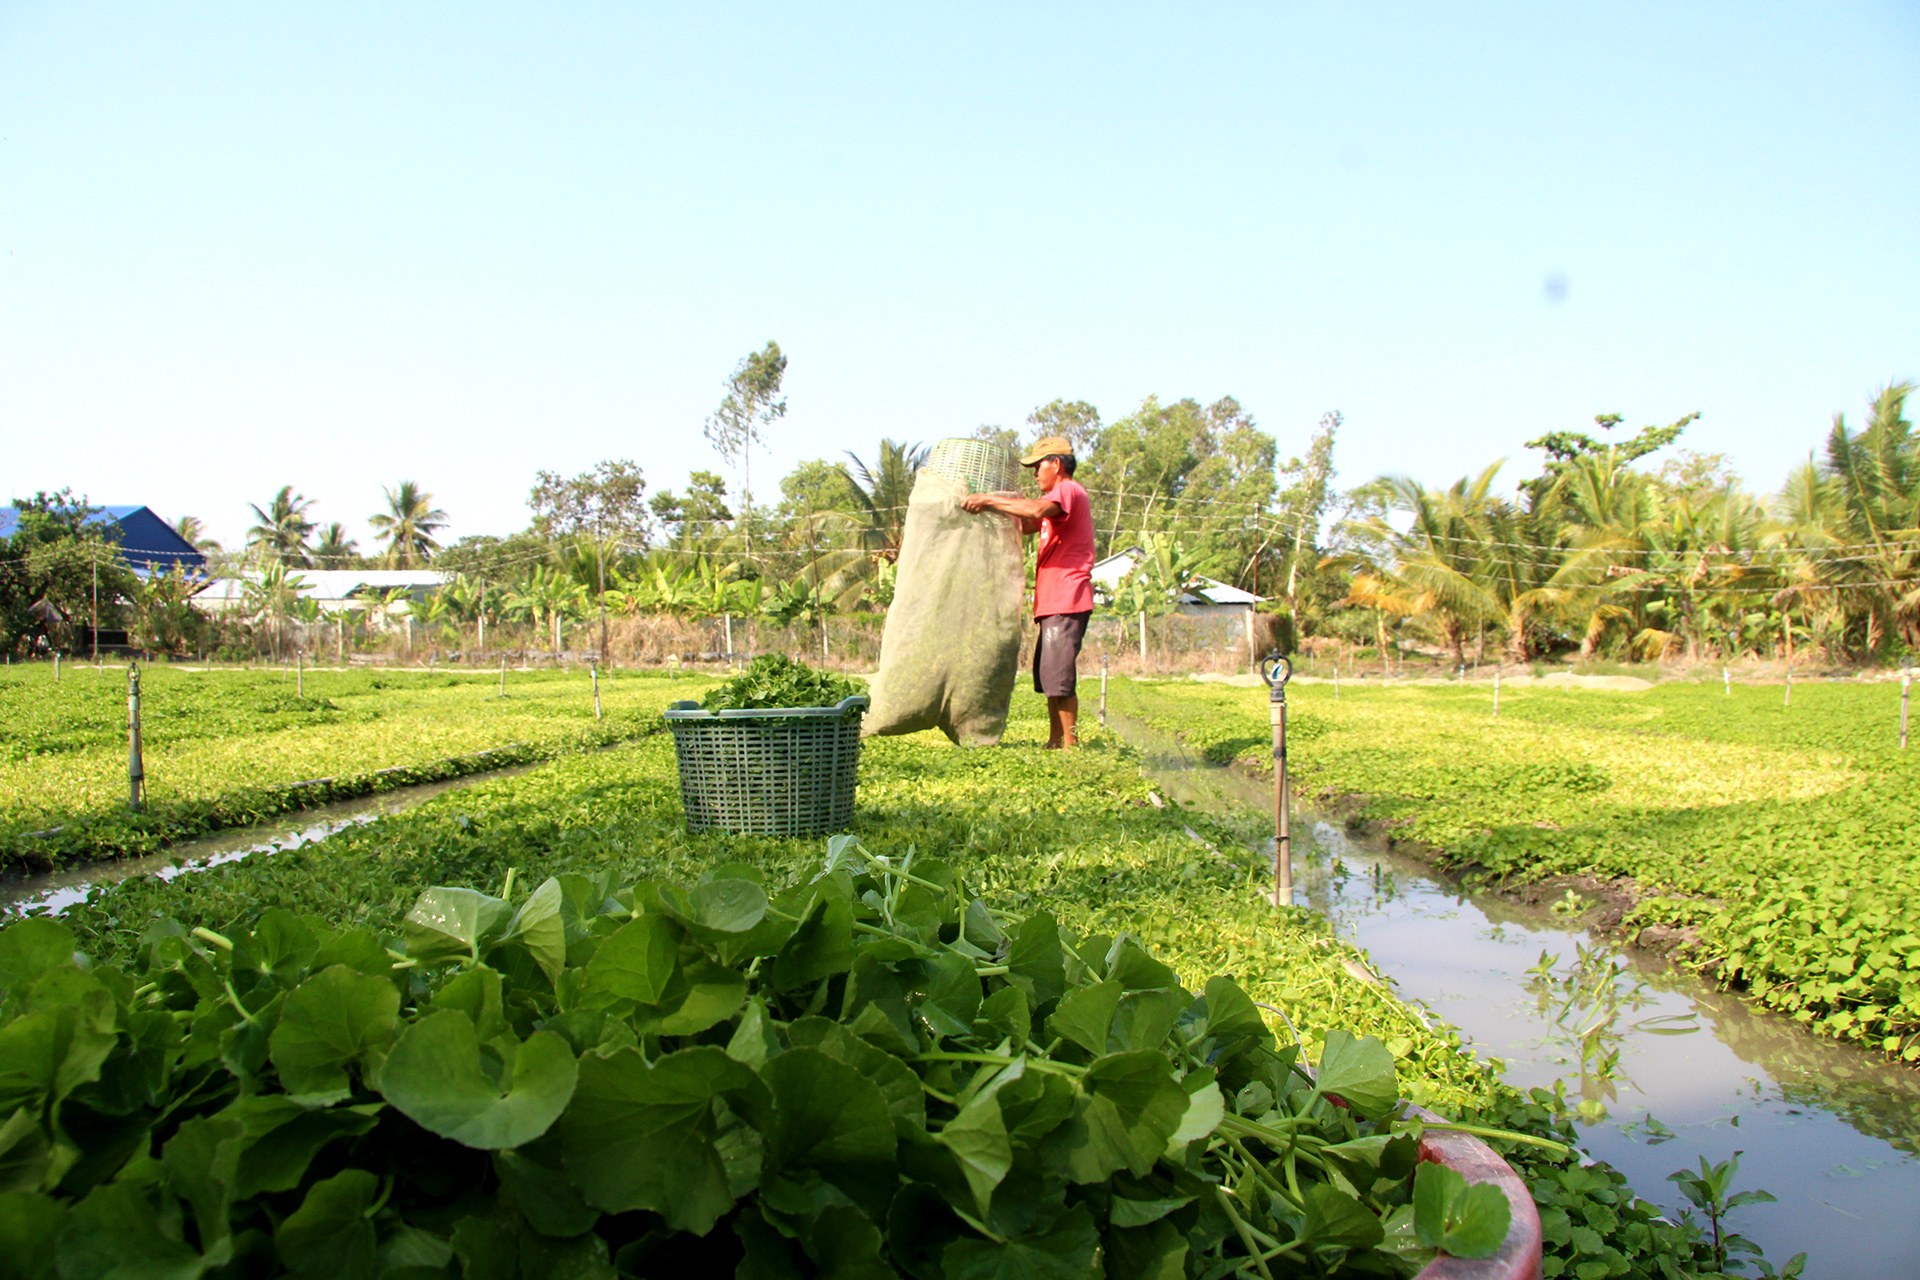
[(984, 467), (779, 771)]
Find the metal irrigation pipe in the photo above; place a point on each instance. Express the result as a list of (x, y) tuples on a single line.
[(1276, 672)]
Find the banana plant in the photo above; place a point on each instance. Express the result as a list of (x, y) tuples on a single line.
[(1165, 572), (801, 601), (271, 598), (675, 590), (714, 586), (746, 594), (162, 615), (546, 598), (631, 594)]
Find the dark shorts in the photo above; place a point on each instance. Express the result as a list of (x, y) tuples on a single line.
[(1055, 651)]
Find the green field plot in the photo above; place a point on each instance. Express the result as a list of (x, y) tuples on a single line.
[(1786, 838), (1075, 832), (1039, 840), (224, 748)]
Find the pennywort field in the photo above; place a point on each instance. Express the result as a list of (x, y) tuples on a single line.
[(1781, 842), (227, 748), (1013, 1027)]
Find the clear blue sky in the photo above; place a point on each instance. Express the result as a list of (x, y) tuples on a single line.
[(338, 245)]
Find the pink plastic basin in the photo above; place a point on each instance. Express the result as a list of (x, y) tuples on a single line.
[(1519, 1255)]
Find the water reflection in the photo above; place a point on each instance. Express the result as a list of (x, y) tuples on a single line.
[(53, 893), (1589, 1009), (1660, 1066)]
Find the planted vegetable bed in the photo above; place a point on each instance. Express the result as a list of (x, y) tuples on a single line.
[(1071, 836), (225, 748), (870, 1071), (1780, 840)]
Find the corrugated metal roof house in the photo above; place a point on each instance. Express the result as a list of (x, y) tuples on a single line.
[(336, 590), (147, 544), (1206, 598)]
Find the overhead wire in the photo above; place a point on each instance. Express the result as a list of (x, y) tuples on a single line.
[(1175, 515), (1470, 548)]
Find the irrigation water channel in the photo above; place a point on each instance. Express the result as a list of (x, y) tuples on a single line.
[(55, 892), (1832, 1131)]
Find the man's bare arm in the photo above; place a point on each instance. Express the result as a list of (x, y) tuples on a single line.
[(1021, 509)]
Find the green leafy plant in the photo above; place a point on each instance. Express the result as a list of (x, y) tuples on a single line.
[(775, 680), (1589, 1007), (868, 1070), (229, 748), (1104, 861), (1765, 839), (1710, 1190)]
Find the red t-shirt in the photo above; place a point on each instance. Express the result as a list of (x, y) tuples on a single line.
[(1062, 579)]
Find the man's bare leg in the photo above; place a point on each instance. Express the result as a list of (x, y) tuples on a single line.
[(1062, 714)]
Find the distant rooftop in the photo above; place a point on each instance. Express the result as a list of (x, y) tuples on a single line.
[(146, 543), (1203, 593), (330, 586)]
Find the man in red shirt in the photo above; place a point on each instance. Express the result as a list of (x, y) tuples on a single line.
[(1062, 577)]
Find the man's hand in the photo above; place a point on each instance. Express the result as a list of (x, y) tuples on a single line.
[(981, 502)]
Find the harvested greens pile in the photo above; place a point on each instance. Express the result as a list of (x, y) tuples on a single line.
[(775, 680), (867, 1074)]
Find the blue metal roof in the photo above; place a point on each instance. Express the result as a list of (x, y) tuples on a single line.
[(146, 543)]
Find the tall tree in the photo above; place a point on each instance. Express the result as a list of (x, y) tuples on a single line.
[(48, 568), (1695, 476), (335, 550), (753, 402), (1439, 561), (854, 521), (1304, 502), (1075, 420), (279, 533), (1873, 479), (1005, 437), (1564, 448), (701, 518), (606, 505), (194, 530), (407, 526), (881, 491), (1206, 472)]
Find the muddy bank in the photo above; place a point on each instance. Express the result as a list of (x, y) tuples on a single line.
[(1603, 903)]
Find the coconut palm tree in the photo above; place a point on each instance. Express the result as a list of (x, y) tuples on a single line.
[(280, 532), (335, 550), (272, 599), (881, 491), (407, 526), (1873, 481), (860, 539), (1521, 556), (194, 530), (1442, 558)]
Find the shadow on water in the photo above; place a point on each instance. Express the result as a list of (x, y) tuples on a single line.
[(1660, 1067), (56, 891)]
